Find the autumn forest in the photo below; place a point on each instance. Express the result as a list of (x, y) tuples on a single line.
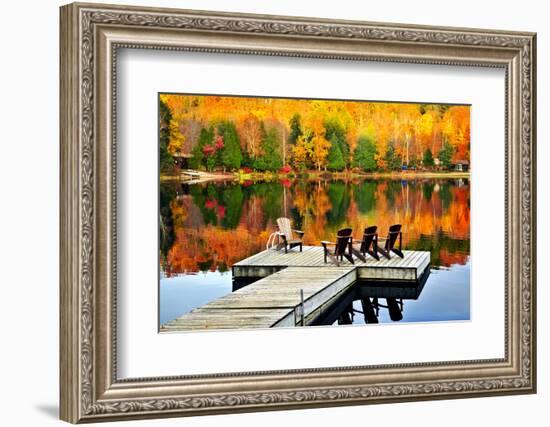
[(230, 133)]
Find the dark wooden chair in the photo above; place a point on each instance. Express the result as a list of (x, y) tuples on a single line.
[(368, 244), (394, 235), (290, 238), (342, 247)]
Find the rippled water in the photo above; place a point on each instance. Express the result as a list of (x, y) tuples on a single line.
[(206, 228)]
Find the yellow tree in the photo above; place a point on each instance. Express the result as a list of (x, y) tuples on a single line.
[(250, 131), (302, 150), (319, 145), (408, 117), (176, 141)]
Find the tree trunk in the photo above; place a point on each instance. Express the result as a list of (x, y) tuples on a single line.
[(284, 146), (408, 139)]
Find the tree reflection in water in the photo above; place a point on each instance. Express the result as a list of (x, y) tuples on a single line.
[(210, 226)]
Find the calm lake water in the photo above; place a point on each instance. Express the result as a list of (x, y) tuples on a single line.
[(206, 228)]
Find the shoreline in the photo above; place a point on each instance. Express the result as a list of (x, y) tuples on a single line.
[(191, 177)]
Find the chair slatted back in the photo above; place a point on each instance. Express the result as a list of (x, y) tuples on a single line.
[(284, 227), (392, 236), (368, 238), (343, 237)]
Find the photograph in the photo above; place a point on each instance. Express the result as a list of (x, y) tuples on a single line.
[(291, 212)]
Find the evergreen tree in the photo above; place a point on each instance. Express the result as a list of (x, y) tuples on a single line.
[(446, 155), (363, 156), (211, 162), (205, 138), (295, 129), (391, 158), (231, 155), (271, 158), (428, 159), (335, 158), (335, 133), (247, 160), (165, 158)]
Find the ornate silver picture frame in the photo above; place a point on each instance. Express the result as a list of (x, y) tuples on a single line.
[(90, 387)]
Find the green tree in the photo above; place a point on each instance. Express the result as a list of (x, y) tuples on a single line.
[(336, 134), (270, 160), (165, 158), (446, 155), (428, 159), (205, 138), (391, 158), (295, 129), (335, 158), (364, 154), (231, 155)]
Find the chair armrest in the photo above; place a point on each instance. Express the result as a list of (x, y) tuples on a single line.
[(299, 232), (325, 242), (281, 235)]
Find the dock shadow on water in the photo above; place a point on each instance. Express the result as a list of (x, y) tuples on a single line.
[(207, 228)]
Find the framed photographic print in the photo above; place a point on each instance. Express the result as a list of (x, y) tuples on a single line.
[(266, 212)]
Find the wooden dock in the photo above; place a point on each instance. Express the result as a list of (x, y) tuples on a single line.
[(270, 261), (294, 288), (274, 301)]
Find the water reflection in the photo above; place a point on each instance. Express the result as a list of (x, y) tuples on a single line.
[(206, 228), (209, 227)]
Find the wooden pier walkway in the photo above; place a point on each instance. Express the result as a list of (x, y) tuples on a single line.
[(271, 302), (275, 300)]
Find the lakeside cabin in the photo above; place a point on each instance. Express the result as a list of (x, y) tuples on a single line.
[(182, 159), (461, 166)]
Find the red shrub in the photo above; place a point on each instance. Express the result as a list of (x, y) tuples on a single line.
[(219, 142), (208, 150), (286, 182), (210, 204), (285, 169)]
